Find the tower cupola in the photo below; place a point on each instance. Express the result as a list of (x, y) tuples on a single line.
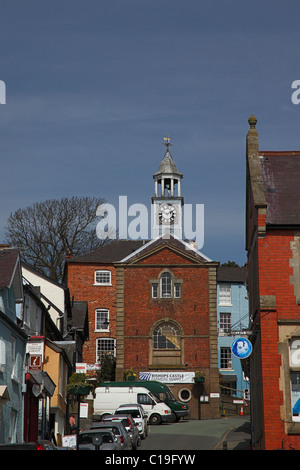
[(167, 179), (167, 201)]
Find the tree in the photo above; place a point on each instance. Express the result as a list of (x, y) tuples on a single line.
[(230, 264), (107, 369), (46, 231)]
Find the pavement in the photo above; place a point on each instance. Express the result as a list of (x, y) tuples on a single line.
[(238, 436)]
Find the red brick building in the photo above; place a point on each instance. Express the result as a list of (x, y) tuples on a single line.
[(153, 303), (273, 246)]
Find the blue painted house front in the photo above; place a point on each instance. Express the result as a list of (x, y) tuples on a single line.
[(233, 318), (12, 349)]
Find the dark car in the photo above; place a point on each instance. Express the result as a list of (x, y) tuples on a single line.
[(129, 425), (39, 445)]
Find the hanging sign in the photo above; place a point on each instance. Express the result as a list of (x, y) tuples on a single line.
[(241, 348), (80, 368), (35, 363)]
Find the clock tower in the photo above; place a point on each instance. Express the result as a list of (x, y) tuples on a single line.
[(167, 201)]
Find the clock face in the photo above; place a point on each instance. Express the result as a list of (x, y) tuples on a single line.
[(167, 214)]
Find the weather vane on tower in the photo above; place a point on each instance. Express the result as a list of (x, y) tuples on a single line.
[(167, 142)]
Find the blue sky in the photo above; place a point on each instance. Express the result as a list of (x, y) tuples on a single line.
[(93, 87)]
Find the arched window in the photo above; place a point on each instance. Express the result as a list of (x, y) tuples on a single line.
[(166, 344), (166, 335), (166, 285)]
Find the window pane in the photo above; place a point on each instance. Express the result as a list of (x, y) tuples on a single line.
[(154, 291), (101, 319), (225, 358), (166, 336), (177, 290), (166, 285), (225, 322), (102, 277), (295, 395), (225, 294), (105, 346)]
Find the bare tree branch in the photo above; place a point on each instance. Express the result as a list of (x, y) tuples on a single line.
[(46, 231)]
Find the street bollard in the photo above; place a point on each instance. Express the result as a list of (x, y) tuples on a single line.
[(225, 445)]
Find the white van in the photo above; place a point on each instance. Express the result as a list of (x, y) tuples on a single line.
[(108, 399)]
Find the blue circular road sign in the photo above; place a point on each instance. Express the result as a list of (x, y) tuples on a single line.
[(241, 348)]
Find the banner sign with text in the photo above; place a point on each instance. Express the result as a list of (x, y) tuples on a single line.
[(168, 377)]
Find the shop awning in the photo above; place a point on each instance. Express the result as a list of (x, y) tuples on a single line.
[(44, 380)]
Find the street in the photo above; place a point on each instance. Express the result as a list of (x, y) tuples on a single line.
[(191, 435)]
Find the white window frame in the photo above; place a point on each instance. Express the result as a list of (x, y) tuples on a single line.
[(111, 349), (105, 273), (155, 290), (225, 294), (166, 283), (225, 358), (97, 321), (225, 323), (177, 290), (294, 353), (172, 286)]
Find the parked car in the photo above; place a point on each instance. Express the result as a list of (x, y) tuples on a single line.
[(38, 445), (129, 425), (119, 431), (139, 415), (86, 440)]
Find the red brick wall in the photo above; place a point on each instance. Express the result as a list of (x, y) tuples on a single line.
[(274, 279), (81, 285), (190, 311)]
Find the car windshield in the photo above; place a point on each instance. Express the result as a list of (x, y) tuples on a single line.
[(124, 421), (87, 438), (133, 413), (112, 428), (158, 400)]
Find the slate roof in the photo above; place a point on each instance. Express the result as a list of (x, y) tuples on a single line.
[(231, 274), (185, 248), (281, 184), (110, 253), (124, 250), (8, 262)]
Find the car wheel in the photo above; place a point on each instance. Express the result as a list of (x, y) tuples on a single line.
[(155, 419)]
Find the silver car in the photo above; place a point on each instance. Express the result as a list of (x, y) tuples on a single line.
[(130, 426), (139, 415), (119, 432), (108, 441)]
